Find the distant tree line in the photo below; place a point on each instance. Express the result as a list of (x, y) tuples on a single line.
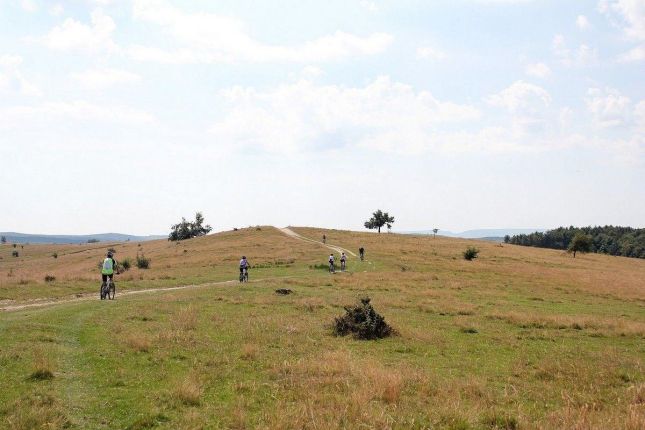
[(612, 240)]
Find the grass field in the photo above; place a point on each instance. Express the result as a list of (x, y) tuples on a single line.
[(520, 338)]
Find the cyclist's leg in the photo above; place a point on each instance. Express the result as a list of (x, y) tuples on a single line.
[(103, 283)]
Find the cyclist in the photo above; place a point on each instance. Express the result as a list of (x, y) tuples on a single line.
[(244, 266), (108, 267), (361, 252), (343, 260), (332, 269)]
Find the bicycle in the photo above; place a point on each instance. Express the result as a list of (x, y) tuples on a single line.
[(244, 275), (332, 268), (342, 265), (108, 289)]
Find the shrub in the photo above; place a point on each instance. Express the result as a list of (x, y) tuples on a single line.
[(93, 241), (125, 264), (14, 245), (470, 253), (55, 255), (143, 262), (363, 322), (15, 254), (319, 267), (50, 278)]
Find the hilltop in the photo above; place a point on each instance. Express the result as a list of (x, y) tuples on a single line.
[(517, 338)]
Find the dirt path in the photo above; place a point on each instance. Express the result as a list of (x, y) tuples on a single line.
[(120, 294), (291, 233)]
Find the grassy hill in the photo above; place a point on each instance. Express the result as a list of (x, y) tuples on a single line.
[(518, 338)]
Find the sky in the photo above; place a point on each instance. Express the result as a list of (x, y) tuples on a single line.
[(126, 115)]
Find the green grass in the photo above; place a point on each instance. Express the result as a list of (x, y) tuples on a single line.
[(477, 348)]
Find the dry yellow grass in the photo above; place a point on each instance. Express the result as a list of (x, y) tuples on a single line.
[(556, 342), (138, 342), (188, 392)]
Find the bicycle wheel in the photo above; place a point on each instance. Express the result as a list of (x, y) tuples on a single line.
[(112, 291), (102, 291)]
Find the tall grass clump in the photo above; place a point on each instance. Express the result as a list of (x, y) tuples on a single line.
[(125, 264), (143, 262), (363, 322), (42, 366), (470, 253)]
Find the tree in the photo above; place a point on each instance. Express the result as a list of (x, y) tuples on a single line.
[(434, 232), (580, 243), (507, 238), (378, 220), (3, 239), (187, 230)]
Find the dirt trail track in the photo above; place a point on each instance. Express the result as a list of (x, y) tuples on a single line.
[(93, 296), (291, 233)]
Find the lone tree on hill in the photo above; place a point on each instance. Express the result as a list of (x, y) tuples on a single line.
[(378, 220), (580, 243), (434, 232), (187, 230)]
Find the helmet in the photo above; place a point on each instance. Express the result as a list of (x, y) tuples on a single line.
[(109, 254)]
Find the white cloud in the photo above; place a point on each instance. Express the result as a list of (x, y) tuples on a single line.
[(369, 5), (103, 78), (521, 97), (538, 70), (28, 5), (582, 56), (382, 115), (11, 78), (639, 121), (632, 14), (211, 38), (74, 35), (582, 22), (634, 54), (527, 106), (631, 19), (18, 116), (57, 9), (10, 60), (608, 106), (428, 52)]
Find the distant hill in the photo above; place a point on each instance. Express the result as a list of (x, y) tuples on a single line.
[(13, 237), (486, 233)]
